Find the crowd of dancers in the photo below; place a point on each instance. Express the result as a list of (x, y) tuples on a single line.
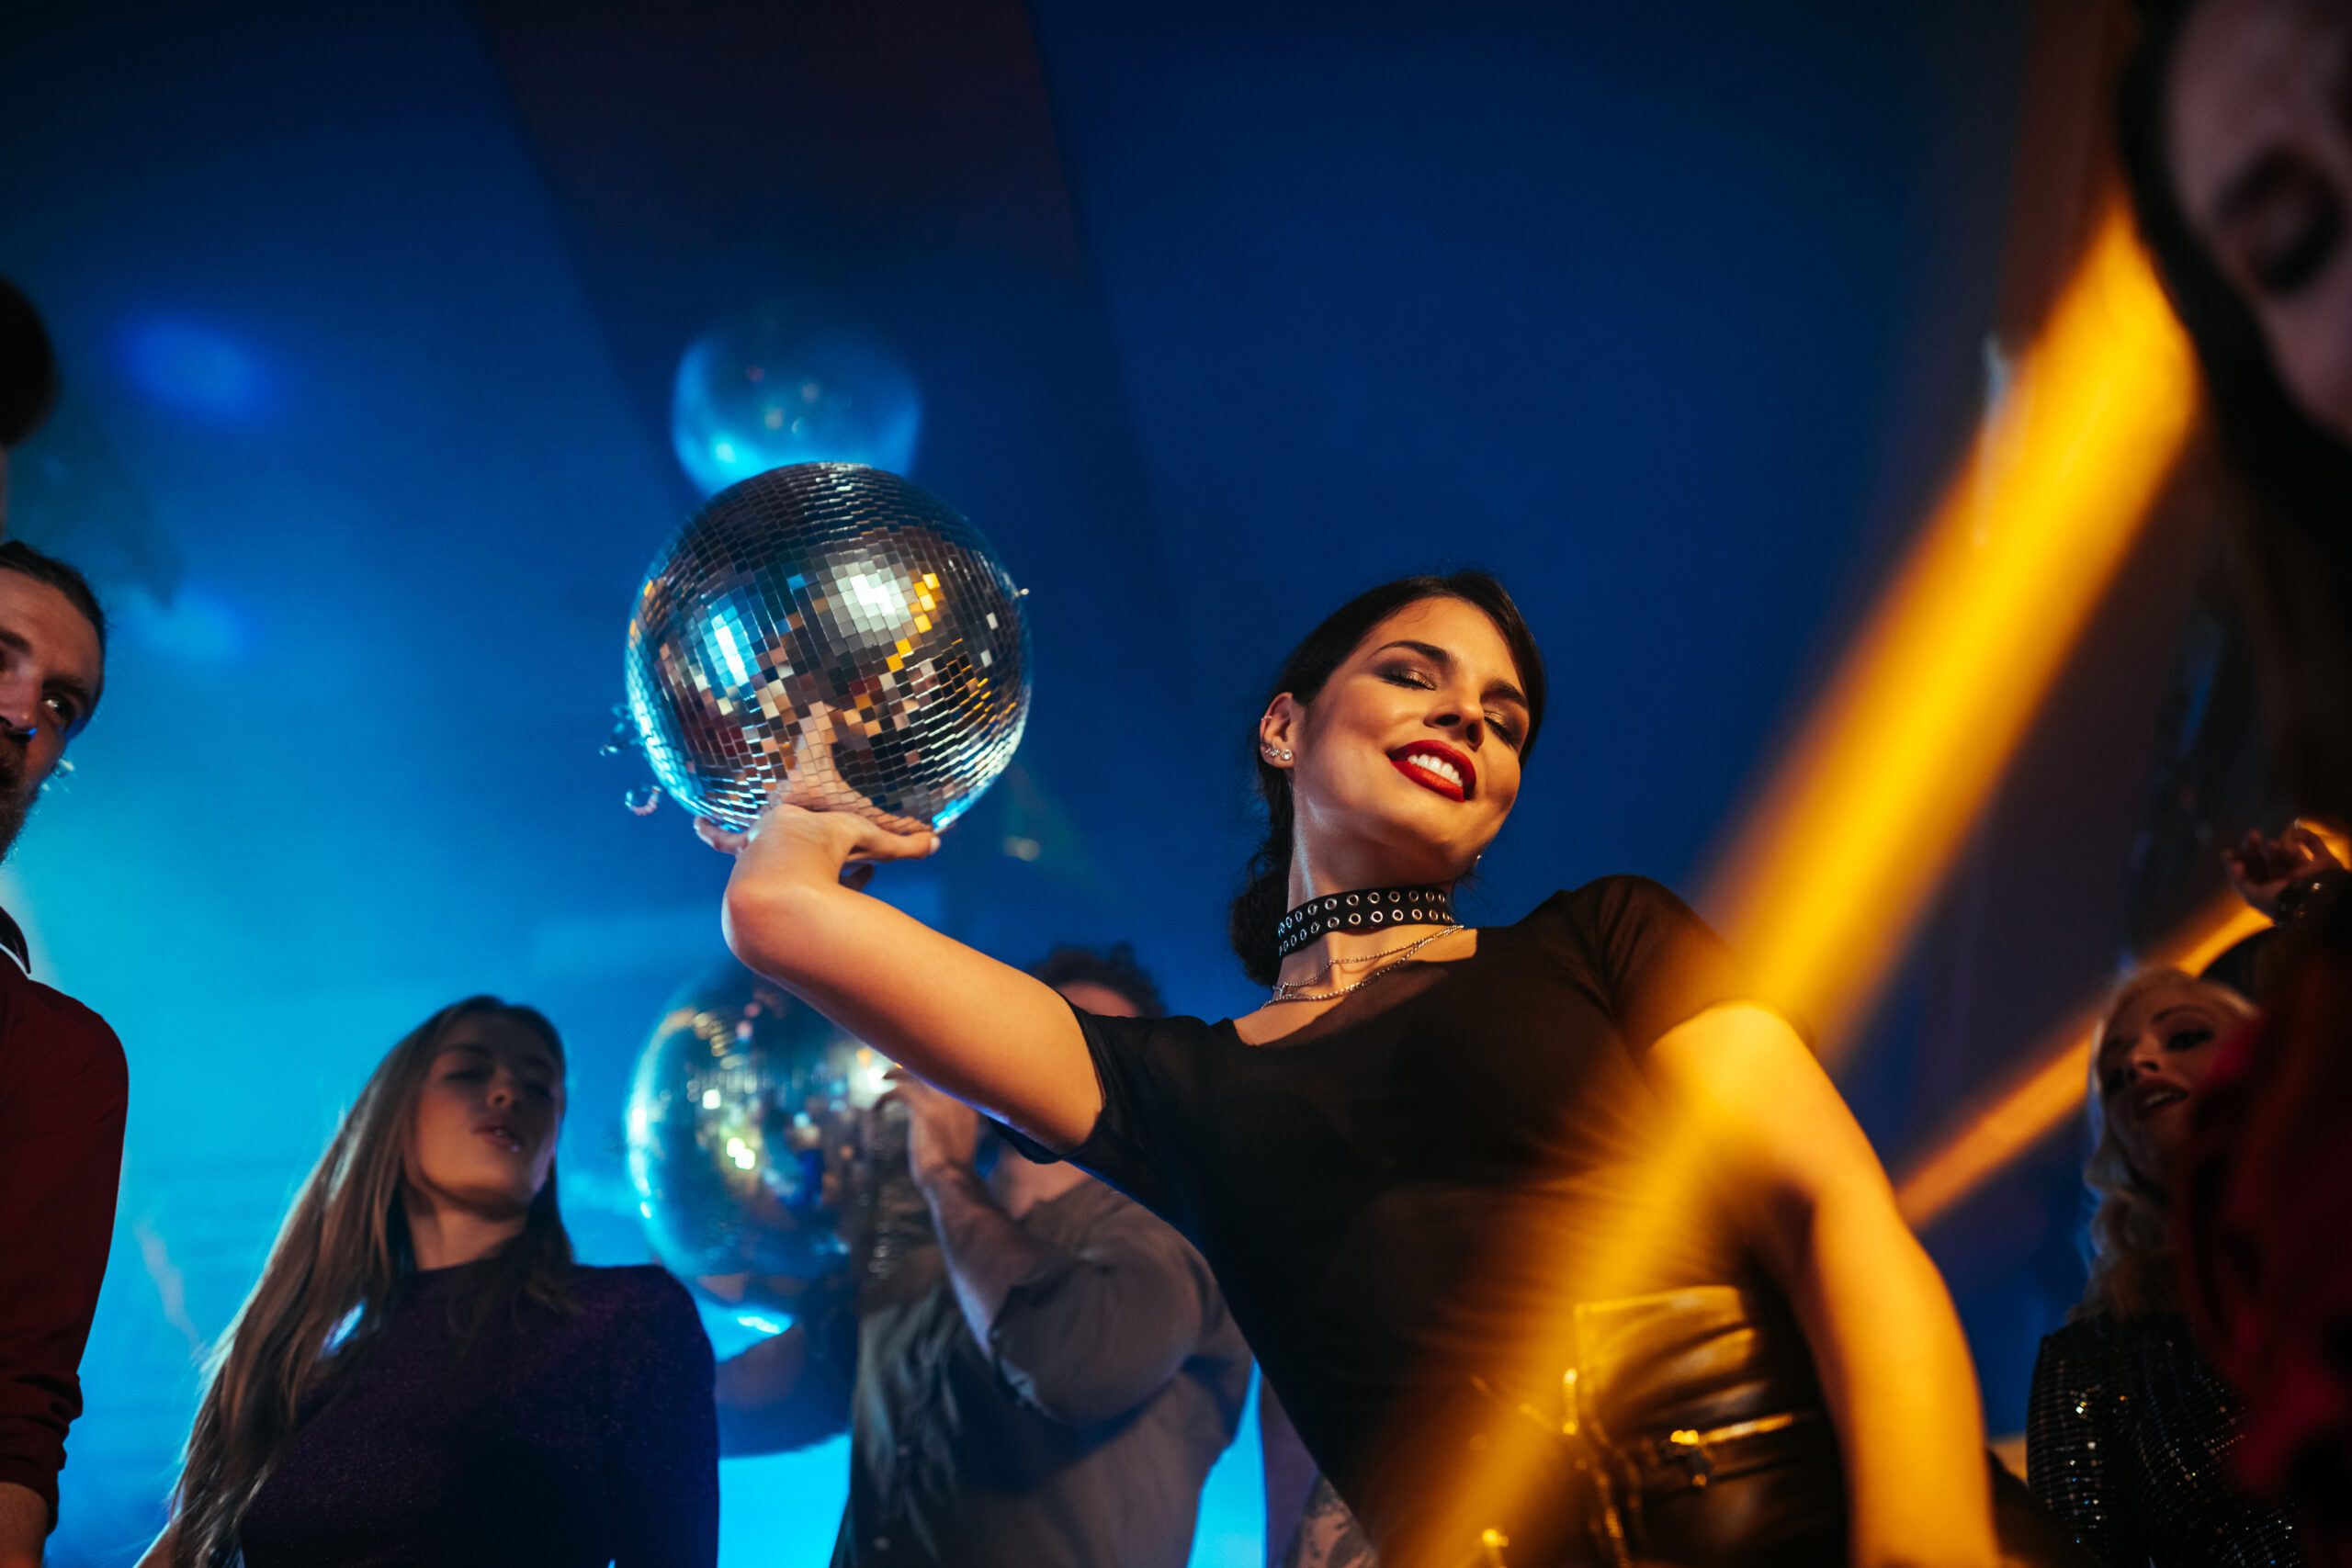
[(1552, 1241)]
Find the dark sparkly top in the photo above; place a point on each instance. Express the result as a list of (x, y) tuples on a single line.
[(559, 1441), (2127, 1440)]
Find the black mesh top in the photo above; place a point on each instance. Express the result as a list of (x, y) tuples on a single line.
[(1408, 1191), (2127, 1438)]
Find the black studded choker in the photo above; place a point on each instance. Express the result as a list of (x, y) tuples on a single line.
[(1365, 910)]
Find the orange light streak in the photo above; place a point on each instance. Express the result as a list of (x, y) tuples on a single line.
[(2038, 1101), (1825, 886), (1860, 823)]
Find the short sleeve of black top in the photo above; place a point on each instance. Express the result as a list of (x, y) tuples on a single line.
[(1417, 1177)]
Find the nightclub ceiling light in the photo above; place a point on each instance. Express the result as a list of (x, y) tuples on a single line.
[(1831, 874)]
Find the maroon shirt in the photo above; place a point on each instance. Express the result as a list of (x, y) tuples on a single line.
[(63, 1091)]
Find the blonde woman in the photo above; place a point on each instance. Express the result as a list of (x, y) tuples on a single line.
[(2128, 1426), (423, 1374)]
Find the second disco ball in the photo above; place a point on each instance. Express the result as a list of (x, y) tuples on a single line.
[(761, 1161), (833, 636), (770, 388)]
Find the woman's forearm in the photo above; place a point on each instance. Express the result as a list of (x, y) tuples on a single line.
[(1896, 1370), (982, 1031)]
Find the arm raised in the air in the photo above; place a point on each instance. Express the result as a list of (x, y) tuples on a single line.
[(982, 1031)]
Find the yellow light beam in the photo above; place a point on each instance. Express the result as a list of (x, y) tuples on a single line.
[(1824, 884), (2031, 1105), (1860, 823)]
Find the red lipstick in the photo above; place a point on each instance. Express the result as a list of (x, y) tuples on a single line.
[(1438, 768)]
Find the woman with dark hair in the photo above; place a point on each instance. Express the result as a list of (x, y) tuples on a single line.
[(2238, 148), (2128, 1423), (1555, 1240), (2238, 156), (423, 1375)]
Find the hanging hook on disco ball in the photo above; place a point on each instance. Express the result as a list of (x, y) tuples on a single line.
[(622, 741), (834, 636), (777, 386)]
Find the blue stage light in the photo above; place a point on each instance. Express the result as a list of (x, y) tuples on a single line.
[(773, 389), (192, 368)]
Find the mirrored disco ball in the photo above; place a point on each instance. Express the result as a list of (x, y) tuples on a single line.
[(768, 388), (761, 1162), (835, 636)]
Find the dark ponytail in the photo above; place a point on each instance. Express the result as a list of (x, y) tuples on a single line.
[(1265, 889)]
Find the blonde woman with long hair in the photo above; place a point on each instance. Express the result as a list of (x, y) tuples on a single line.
[(2129, 1426), (423, 1374)]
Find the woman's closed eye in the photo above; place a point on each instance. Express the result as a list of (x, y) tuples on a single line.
[(2287, 226), (2187, 1039), (1408, 676), (1420, 679), (536, 1088)]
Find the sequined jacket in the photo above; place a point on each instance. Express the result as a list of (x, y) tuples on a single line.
[(2126, 1440)]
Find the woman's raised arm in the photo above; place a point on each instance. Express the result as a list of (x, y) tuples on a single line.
[(982, 1031)]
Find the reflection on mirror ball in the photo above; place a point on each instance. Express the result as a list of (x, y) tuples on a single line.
[(763, 391), (835, 636), (752, 1139)]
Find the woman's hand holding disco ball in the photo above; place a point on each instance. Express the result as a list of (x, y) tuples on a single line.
[(793, 846), (835, 636)]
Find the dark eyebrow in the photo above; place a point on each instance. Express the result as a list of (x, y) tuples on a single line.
[(1501, 690)]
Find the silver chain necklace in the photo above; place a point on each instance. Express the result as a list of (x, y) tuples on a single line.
[(1284, 991), (1359, 960)]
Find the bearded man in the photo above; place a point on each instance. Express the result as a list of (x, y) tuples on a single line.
[(63, 1086)]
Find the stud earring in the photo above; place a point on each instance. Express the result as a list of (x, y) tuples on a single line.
[(1277, 753)]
